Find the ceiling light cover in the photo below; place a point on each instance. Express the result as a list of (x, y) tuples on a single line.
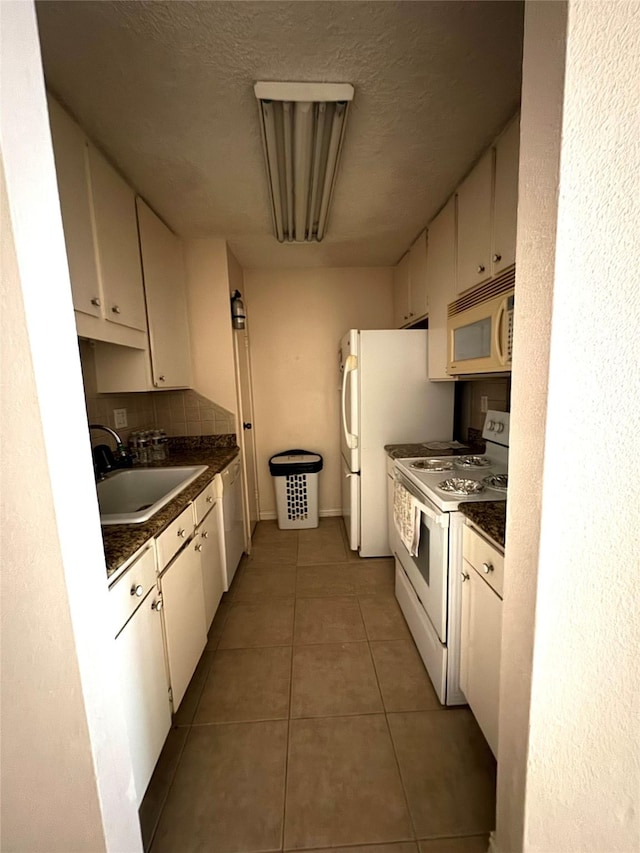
[(302, 129)]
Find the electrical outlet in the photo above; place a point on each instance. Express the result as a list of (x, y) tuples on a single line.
[(484, 404), (120, 418)]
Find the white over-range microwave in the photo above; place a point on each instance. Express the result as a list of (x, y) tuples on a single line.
[(480, 329)]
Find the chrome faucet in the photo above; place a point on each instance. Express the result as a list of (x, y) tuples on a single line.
[(124, 460), (111, 432)]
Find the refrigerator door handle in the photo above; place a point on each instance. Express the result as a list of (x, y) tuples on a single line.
[(350, 365)]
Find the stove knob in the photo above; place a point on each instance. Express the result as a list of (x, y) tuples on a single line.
[(499, 427), (491, 425)]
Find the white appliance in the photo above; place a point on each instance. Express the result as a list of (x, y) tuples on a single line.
[(480, 329), (232, 516), (386, 398), (428, 583)]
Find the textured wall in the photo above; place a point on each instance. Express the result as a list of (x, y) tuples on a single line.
[(581, 775), (296, 319)]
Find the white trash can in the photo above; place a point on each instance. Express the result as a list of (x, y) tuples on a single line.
[(295, 474)]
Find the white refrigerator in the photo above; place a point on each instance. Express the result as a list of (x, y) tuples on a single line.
[(386, 398)]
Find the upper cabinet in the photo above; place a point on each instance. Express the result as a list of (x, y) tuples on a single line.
[(441, 285), (474, 225), (165, 292), (487, 212), (410, 294), (116, 234), (70, 151), (505, 209)]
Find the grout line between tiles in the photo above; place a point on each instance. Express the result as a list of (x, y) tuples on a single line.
[(152, 837)]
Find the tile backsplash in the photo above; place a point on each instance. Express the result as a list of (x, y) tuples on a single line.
[(177, 412), (468, 395)]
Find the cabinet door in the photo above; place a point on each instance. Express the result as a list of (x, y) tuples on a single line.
[(506, 198), (441, 283), (480, 652), (401, 292), (184, 621), (164, 286), (70, 152), (418, 291), (208, 536), (116, 231), (474, 225), (140, 666)]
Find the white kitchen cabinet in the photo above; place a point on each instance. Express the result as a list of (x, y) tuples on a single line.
[(505, 209), (475, 206), (166, 300), (116, 233), (140, 666), (410, 294), (401, 292), (70, 152), (209, 538), (480, 645), (441, 284), (183, 617)]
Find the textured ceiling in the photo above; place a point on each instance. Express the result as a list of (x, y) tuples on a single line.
[(166, 89)]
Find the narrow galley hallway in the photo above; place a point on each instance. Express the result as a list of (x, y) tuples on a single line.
[(310, 722)]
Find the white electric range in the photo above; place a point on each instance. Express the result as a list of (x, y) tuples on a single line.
[(428, 582)]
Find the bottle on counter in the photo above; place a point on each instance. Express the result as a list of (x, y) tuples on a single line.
[(158, 453), (143, 449), (133, 448)]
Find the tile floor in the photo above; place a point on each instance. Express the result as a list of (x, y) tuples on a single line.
[(311, 723)]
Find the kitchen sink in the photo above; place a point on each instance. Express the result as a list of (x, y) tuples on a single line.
[(134, 495)]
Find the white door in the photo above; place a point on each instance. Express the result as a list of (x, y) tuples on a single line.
[(184, 619), (349, 413), (143, 684), (246, 434), (351, 505)]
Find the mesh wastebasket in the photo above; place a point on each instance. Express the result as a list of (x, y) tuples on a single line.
[(295, 475)]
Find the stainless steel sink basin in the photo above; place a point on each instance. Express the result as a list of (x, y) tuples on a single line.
[(134, 495)]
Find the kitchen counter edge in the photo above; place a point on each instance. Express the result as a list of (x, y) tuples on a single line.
[(122, 541), (489, 517)]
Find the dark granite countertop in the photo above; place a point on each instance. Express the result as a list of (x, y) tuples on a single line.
[(408, 451), (121, 541), (490, 517)]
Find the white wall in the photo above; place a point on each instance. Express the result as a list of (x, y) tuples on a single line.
[(295, 320), (581, 774), (66, 773)]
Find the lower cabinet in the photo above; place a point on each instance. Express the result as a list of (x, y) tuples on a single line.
[(184, 617), (208, 536), (141, 670), (481, 639)]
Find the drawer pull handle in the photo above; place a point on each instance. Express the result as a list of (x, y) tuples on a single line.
[(465, 576), (209, 499), (198, 547), (205, 534), (157, 605), (116, 309), (137, 590), (182, 533), (487, 567)]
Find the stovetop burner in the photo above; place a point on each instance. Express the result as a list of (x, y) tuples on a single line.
[(461, 486), (496, 481), (472, 462), (432, 465)]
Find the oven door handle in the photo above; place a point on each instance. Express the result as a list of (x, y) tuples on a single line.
[(439, 518)]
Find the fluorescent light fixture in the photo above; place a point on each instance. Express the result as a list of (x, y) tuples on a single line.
[(302, 130)]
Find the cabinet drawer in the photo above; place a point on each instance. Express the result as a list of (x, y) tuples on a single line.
[(484, 558), (205, 501), (129, 590), (174, 536)]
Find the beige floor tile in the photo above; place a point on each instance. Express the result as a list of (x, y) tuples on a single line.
[(376, 577), (228, 791), (343, 785), (448, 772), (383, 618), (328, 620), (327, 579), (160, 783), (246, 684), (398, 847), (268, 531), (322, 545), (464, 844), (403, 679), (274, 552), (334, 679), (215, 631), (251, 625), (187, 710), (258, 585)]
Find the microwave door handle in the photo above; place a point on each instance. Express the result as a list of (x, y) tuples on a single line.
[(350, 365), (497, 335)]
